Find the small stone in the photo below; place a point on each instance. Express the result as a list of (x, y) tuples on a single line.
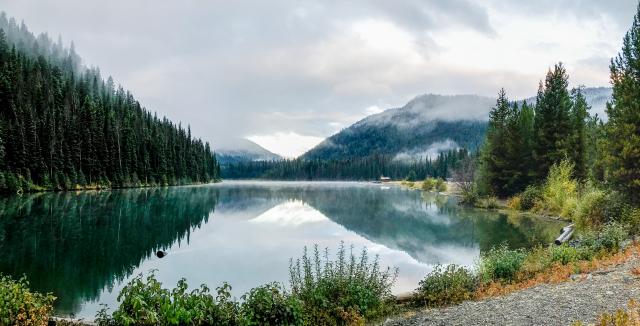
[(609, 293)]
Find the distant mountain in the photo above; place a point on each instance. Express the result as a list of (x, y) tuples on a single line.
[(424, 127), (243, 150), (597, 97)]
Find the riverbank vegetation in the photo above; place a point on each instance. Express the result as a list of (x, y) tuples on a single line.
[(552, 158), (63, 127), (347, 290)]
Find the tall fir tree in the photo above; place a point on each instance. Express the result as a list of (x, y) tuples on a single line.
[(623, 127), (577, 146), (496, 149), (552, 123)]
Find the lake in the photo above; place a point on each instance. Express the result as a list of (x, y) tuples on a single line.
[(83, 246)]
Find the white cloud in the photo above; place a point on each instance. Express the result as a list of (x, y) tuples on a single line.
[(307, 67), (286, 144)]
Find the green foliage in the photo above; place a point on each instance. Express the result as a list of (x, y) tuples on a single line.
[(446, 285), (63, 127), (560, 190), (500, 264), (565, 254), (608, 239), (270, 305), (145, 302), (441, 186), (590, 212), (369, 167), (469, 196), (349, 286), (429, 184), (552, 123), (21, 306), (622, 129)]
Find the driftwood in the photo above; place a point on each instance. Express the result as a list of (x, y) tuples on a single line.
[(565, 234)]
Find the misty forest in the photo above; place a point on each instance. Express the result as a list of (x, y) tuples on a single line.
[(111, 213)]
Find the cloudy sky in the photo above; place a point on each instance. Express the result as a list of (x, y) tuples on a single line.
[(287, 73)]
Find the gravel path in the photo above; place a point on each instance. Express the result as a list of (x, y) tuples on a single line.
[(583, 298)]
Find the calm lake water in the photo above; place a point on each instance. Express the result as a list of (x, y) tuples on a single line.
[(84, 246)]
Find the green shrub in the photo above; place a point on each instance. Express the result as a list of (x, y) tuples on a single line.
[(334, 292), (529, 197), (444, 286), (428, 184), (515, 203), (564, 254), (560, 191), (441, 186), (20, 306), (590, 211), (270, 305), (469, 196), (609, 239), (501, 264), (145, 302)]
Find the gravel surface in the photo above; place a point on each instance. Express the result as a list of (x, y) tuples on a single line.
[(583, 298)]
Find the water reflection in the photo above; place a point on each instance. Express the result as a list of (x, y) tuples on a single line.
[(82, 246)]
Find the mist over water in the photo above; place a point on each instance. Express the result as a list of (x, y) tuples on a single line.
[(84, 246)]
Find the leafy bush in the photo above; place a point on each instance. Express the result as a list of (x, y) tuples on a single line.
[(590, 211), (145, 302), (564, 254), (441, 186), (469, 196), (443, 286), (514, 203), (428, 184), (501, 264), (609, 239), (20, 306), (560, 191), (529, 197), (334, 292), (270, 305)]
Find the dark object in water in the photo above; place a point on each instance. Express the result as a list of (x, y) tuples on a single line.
[(565, 234), (161, 253)]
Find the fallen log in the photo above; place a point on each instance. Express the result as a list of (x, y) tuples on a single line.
[(565, 234)]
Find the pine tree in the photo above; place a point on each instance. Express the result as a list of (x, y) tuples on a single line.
[(495, 153), (552, 123), (577, 151), (623, 127)]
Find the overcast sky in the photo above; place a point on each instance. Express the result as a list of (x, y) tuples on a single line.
[(287, 73)]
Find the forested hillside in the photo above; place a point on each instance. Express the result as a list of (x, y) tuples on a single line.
[(364, 168), (425, 126), (62, 126)]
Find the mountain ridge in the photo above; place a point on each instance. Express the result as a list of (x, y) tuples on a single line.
[(425, 126)]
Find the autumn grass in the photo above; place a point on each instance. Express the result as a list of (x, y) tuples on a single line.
[(556, 273)]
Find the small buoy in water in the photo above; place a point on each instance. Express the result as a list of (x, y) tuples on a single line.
[(161, 253)]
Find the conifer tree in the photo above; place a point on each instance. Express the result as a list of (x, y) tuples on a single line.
[(495, 153), (577, 150), (552, 123), (623, 127)]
